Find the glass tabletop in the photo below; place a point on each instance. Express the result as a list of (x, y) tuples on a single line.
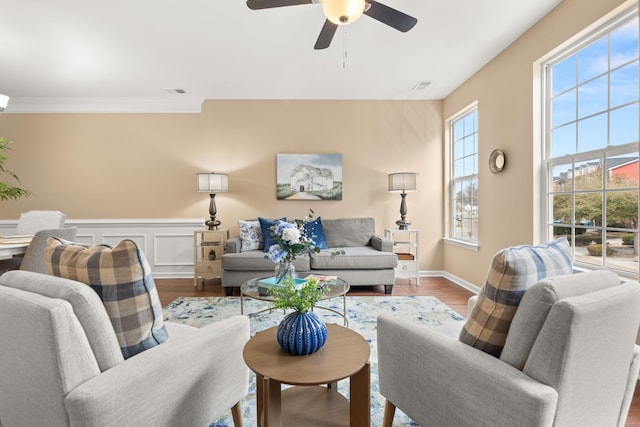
[(337, 286)]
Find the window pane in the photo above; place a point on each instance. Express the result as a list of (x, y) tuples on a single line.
[(469, 165), (561, 210), (592, 133), (593, 97), (588, 175), (564, 108), (588, 208), (593, 60), (458, 130), (622, 209), (564, 75), (469, 124), (562, 178), (469, 145), (622, 171), (624, 125), (624, 43), (563, 140), (458, 149), (624, 85)]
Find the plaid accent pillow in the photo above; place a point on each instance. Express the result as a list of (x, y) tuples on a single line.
[(122, 278), (513, 271)]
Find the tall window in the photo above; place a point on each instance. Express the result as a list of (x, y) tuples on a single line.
[(591, 146), (463, 133)]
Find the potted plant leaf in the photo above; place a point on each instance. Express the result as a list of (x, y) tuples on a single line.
[(8, 191), (301, 331)]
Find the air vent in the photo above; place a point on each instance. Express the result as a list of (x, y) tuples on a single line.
[(421, 85), (180, 91)]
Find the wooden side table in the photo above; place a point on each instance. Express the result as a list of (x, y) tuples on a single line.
[(208, 248), (345, 355)]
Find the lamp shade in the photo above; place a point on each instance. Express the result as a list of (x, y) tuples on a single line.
[(403, 182), (213, 182), (342, 12), (4, 101)]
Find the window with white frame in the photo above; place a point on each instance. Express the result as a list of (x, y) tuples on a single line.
[(590, 156), (463, 191)]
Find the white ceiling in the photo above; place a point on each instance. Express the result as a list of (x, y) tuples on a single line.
[(127, 55)]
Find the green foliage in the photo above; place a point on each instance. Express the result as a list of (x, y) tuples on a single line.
[(301, 300), (596, 250), (8, 191), (628, 239), (586, 240)]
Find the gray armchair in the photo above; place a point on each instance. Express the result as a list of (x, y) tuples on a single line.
[(60, 363), (570, 359), (34, 259)]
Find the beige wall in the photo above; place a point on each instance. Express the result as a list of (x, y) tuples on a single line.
[(504, 90), (117, 166)]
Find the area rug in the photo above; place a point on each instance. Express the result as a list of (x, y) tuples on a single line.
[(362, 313)]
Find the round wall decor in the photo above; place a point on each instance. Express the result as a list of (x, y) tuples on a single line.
[(497, 161)]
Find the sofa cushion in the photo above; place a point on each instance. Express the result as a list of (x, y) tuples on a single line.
[(345, 232), (86, 305), (513, 271), (250, 235), (267, 236), (315, 231), (354, 258), (122, 278), (258, 261), (536, 305)]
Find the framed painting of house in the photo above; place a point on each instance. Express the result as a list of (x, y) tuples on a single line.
[(309, 177)]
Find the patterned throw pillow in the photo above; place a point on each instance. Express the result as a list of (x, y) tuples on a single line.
[(315, 230), (250, 235), (265, 226), (122, 278), (513, 271)]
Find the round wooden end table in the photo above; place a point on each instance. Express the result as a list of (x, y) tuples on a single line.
[(310, 403)]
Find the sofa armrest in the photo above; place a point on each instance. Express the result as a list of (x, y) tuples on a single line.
[(437, 380), (185, 381), (233, 245), (382, 244)]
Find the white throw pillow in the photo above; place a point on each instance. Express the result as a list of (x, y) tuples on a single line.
[(250, 235)]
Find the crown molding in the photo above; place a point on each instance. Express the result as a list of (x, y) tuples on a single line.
[(181, 104)]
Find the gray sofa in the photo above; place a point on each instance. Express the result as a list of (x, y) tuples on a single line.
[(368, 259)]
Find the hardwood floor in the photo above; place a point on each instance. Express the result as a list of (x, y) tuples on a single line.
[(446, 291)]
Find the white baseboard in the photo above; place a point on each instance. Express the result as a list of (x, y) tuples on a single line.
[(455, 279)]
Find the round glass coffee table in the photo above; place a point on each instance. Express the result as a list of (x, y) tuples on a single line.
[(337, 288)]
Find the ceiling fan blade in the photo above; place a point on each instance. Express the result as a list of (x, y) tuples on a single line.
[(326, 35), (268, 4), (390, 16)]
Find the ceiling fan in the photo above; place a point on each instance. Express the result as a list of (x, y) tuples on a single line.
[(342, 12)]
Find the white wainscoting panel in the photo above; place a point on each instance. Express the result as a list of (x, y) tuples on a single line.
[(167, 243)]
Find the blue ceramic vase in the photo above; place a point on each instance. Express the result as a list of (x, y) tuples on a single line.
[(302, 333)]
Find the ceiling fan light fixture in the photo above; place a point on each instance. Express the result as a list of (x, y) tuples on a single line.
[(342, 12)]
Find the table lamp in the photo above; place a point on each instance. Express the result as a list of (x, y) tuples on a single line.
[(212, 183), (403, 182)]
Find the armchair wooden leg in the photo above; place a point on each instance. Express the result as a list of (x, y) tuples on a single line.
[(389, 412), (236, 412)]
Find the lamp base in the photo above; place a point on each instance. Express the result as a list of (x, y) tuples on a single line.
[(212, 224), (403, 224)]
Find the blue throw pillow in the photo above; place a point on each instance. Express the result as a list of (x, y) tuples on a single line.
[(267, 236), (315, 230)]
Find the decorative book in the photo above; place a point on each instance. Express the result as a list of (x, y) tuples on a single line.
[(265, 285)]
